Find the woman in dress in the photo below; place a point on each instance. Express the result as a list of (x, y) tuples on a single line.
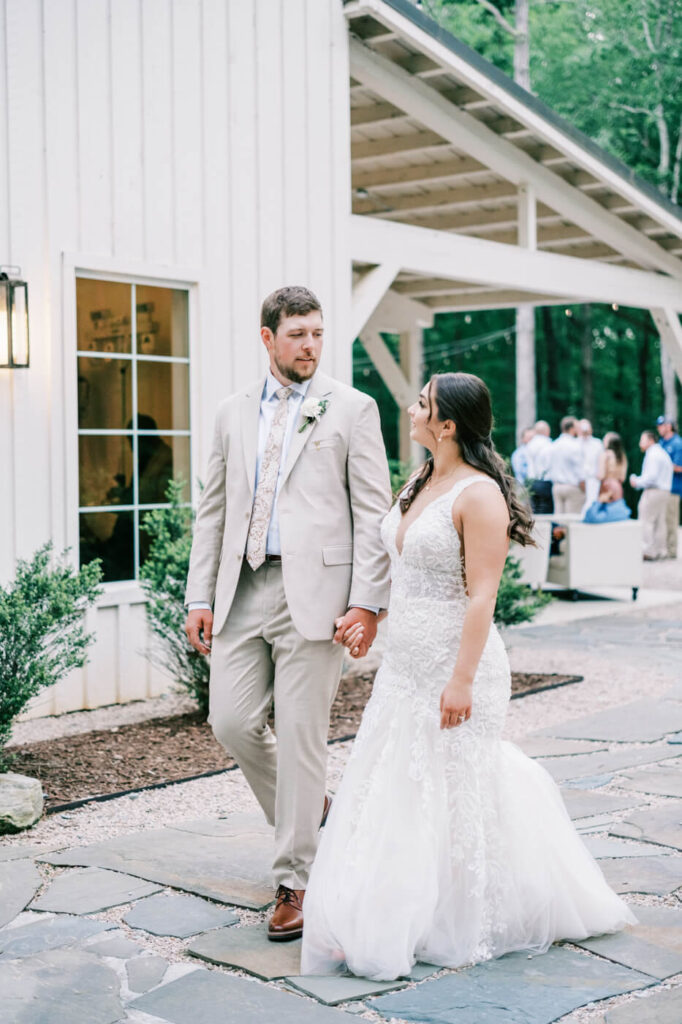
[(444, 843), (613, 467)]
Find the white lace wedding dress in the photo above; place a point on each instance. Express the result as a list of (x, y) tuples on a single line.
[(446, 846)]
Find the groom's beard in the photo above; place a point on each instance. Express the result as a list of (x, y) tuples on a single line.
[(297, 376)]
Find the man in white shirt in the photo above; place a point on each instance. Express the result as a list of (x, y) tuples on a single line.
[(519, 457), (566, 469), (655, 481), (537, 455), (591, 449)]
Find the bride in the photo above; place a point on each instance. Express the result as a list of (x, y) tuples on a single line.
[(446, 844)]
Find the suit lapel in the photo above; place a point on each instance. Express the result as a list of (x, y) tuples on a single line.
[(249, 426), (300, 438)]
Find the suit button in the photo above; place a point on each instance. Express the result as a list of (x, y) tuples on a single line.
[(239, 558), (247, 515)]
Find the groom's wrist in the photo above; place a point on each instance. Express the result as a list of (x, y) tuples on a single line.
[(366, 607)]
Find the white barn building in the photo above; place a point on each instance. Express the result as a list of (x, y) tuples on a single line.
[(164, 164)]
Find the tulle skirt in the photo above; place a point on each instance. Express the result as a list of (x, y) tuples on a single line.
[(448, 847)]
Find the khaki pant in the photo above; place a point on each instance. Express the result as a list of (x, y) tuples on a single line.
[(651, 512), (567, 498), (259, 654), (672, 522)]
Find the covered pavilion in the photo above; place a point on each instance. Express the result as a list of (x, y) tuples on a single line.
[(469, 193)]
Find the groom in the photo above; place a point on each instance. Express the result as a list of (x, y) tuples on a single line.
[(286, 542)]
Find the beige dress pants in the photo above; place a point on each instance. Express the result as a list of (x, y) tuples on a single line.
[(651, 512), (567, 498), (259, 654), (672, 522)]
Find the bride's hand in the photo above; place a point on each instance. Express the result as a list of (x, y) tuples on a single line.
[(353, 638), (455, 704)]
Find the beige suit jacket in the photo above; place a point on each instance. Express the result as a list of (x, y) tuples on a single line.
[(334, 495)]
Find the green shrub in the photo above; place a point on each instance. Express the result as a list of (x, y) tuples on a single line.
[(42, 632), (516, 602), (163, 577)]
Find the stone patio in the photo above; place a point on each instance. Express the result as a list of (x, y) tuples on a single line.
[(161, 925)]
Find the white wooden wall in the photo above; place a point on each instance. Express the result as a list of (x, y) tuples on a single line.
[(197, 140)]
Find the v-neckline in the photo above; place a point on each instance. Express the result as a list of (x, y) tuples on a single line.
[(399, 551)]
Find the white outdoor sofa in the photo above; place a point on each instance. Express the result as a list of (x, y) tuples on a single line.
[(594, 555)]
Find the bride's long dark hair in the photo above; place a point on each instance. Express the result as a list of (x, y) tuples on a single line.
[(465, 399)]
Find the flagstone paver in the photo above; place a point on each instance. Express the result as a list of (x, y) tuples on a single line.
[(642, 721), (24, 852), (332, 989), (178, 915), (606, 762), (631, 950), (658, 876), (62, 986), (239, 823), (588, 782), (584, 803), (600, 847), (538, 745), (91, 890), (663, 1007), (209, 997), (664, 781), (516, 989), (118, 946), (234, 868), (249, 949), (144, 972), (52, 933), (19, 882), (659, 825)]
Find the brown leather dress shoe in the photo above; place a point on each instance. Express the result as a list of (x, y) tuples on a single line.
[(325, 812), (286, 922)]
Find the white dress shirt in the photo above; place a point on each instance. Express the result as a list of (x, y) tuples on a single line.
[(657, 470), (537, 453), (591, 448), (566, 461)]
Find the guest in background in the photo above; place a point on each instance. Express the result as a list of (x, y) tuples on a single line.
[(610, 505), (671, 441), (591, 448), (655, 480), (613, 462), (537, 453), (566, 469), (520, 462)]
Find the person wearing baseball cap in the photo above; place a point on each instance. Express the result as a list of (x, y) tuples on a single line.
[(671, 441)]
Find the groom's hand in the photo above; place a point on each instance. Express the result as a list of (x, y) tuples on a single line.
[(201, 619), (356, 630)]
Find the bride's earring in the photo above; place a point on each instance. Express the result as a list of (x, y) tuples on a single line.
[(440, 438)]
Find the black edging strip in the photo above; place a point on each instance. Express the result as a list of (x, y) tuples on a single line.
[(103, 797)]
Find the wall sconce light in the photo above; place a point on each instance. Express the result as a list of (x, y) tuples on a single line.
[(13, 319)]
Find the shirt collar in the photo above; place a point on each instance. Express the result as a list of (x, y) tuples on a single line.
[(272, 385)]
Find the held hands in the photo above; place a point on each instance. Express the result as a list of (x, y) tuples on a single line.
[(455, 704), (200, 620), (356, 630)]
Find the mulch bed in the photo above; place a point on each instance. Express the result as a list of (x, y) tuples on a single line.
[(163, 750)]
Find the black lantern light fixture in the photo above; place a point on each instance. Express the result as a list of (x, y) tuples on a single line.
[(13, 319)]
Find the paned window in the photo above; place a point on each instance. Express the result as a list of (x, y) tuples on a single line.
[(133, 414)]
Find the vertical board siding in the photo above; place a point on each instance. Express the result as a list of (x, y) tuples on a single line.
[(201, 134), (157, 93), (127, 129)]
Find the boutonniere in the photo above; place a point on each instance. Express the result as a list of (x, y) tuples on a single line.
[(312, 410)]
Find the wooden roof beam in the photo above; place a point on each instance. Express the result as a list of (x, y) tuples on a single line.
[(449, 197), (466, 132), (414, 142), (417, 174)]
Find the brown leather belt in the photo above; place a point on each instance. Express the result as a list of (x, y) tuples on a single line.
[(273, 558)]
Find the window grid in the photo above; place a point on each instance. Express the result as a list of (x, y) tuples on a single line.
[(134, 357)]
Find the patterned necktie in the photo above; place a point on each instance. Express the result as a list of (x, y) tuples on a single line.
[(267, 483)]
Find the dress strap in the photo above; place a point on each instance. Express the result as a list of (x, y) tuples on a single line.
[(461, 485)]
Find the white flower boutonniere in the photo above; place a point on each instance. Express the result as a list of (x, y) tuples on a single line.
[(312, 410)]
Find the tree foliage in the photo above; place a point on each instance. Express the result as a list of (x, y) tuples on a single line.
[(163, 577), (42, 630)]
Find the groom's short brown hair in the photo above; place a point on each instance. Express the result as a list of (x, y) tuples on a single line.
[(294, 300)]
